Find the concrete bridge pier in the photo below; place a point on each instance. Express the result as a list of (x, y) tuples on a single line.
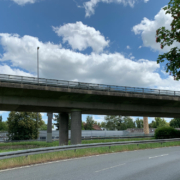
[(63, 128), (49, 127), (76, 122), (145, 125)]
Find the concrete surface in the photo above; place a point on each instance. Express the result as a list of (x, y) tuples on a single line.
[(49, 127), (145, 125), (26, 97), (63, 128), (76, 123)]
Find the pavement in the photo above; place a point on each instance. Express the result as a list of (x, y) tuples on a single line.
[(149, 164)]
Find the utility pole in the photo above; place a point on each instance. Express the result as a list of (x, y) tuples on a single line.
[(38, 82)]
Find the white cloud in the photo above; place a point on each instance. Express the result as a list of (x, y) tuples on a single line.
[(128, 47), (98, 118), (60, 63), (140, 47), (90, 5), (81, 36), (23, 2), (5, 69), (2, 112), (147, 28)]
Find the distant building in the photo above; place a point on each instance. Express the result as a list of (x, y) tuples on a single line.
[(96, 127)]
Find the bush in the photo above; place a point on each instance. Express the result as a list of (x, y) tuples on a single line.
[(166, 132)]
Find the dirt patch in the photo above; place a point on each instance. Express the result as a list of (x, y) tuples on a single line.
[(19, 147)]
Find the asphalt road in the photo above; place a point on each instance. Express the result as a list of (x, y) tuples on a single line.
[(151, 164)]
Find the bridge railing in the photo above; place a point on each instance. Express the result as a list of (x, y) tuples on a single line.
[(82, 85)]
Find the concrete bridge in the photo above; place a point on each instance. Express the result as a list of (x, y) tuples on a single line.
[(18, 93)]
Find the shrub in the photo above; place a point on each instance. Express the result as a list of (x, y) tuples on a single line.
[(166, 132)]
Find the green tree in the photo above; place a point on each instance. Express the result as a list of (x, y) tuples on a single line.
[(103, 124), (139, 123), (89, 123), (118, 122), (158, 122), (175, 123), (44, 126), (128, 122), (166, 37), (110, 122), (22, 125), (3, 125)]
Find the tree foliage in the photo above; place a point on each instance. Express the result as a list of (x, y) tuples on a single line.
[(22, 125), (158, 122), (43, 127), (118, 122), (166, 37), (3, 125), (139, 123), (175, 123), (89, 123)]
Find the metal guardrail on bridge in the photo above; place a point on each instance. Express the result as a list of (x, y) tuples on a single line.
[(12, 154), (82, 85)]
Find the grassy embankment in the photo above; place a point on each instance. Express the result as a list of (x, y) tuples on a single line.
[(46, 157), (6, 147)]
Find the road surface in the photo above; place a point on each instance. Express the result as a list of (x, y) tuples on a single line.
[(150, 164)]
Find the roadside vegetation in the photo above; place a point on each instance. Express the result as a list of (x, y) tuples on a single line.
[(47, 157), (6, 147)]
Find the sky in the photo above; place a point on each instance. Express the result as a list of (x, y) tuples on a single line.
[(96, 41)]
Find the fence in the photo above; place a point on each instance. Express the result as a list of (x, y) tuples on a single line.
[(82, 85), (85, 134)]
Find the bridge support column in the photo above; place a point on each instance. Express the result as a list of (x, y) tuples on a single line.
[(76, 123), (49, 127), (63, 128), (145, 125)]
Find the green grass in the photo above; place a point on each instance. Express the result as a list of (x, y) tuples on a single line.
[(40, 158), (6, 147)]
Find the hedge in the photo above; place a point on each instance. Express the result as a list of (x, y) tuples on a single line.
[(166, 132)]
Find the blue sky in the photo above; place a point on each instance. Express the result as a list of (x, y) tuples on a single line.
[(96, 41)]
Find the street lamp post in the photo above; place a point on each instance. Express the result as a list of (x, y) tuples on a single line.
[(38, 82)]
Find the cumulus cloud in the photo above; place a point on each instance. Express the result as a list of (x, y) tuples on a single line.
[(5, 69), (80, 36), (60, 63), (140, 47), (23, 2), (128, 47), (90, 5), (147, 29)]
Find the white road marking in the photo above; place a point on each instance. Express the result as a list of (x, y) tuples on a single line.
[(158, 156), (110, 167)]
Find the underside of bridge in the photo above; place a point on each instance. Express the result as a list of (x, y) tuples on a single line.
[(35, 98)]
